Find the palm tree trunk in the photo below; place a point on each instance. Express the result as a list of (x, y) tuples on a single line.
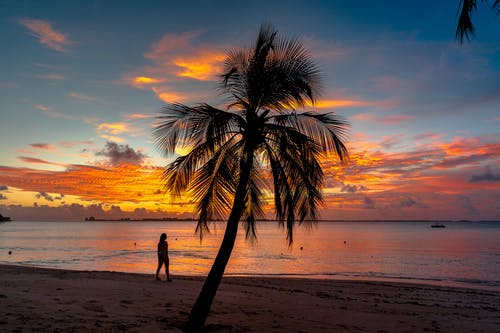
[(201, 307)]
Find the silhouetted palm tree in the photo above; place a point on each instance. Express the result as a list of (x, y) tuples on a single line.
[(229, 150), (465, 28)]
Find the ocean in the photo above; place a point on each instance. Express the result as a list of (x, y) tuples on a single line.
[(462, 254)]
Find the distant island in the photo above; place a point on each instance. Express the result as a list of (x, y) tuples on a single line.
[(92, 219), (4, 218)]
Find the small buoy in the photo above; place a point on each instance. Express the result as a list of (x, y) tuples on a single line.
[(135, 244), (345, 242), (176, 239), (10, 252), (301, 248)]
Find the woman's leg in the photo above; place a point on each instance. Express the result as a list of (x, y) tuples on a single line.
[(160, 263), (167, 269)]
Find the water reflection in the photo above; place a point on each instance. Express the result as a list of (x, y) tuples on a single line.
[(405, 250)]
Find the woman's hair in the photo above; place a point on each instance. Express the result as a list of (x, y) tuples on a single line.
[(163, 237)]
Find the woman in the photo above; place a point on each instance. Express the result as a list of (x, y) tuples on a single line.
[(163, 257)]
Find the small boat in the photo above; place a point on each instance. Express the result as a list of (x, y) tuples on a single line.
[(4, 218), (437, 225)]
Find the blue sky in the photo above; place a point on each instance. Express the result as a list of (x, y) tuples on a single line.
[(75, 78)]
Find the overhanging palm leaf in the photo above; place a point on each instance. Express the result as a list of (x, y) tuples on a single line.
[(228, 151), (465, 28)]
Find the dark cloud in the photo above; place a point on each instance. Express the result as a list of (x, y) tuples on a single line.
[(44, 195), (3, 188), (407, 202), (351, 188), (488, 176), (368, 203), (121, 154)]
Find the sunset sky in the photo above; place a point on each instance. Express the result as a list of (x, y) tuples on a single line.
[(82, 81)]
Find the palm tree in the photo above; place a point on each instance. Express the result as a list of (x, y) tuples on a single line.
[(466, 8), (229, 149)]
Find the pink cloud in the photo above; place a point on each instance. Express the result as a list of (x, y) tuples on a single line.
[(46, 34), (387, 120), (42, 145), (38, 161)]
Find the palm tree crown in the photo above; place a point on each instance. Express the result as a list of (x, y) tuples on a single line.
[(260, 127)]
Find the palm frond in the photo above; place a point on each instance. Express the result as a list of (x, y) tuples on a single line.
[(253, 205), (297, 175), (326, 129), (214, 184), (185, 126), (465, 28)]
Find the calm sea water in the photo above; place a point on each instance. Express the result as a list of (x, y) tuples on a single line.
[(463, 253)]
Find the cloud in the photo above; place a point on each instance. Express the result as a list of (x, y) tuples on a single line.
[(139, 116), (143, 82), (49, 37), (106, 183), (351, 188), (42, 145), (49, 111), (38, 161), (488, 176), (45, 196), (2, 197), (121, 154), (407, 202), (3, 188), (386, 120), (174, 55), (51, 76), (168, 96), (434, 136), (72, 144), (177, 60), (110, 131), (333, 103), (368, 203), (82, 97)]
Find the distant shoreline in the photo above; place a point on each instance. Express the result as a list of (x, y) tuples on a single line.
[(173, 219)]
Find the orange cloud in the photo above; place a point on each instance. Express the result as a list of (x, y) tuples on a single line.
[(46, 34), (124, 185), (113, 128), (169, 96), (143, 81), (202, 66)]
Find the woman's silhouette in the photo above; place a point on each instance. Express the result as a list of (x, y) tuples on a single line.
[(163, 257)]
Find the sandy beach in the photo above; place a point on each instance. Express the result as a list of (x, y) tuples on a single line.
[(52, 300)]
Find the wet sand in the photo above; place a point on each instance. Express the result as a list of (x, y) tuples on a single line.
[(51, 300)]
